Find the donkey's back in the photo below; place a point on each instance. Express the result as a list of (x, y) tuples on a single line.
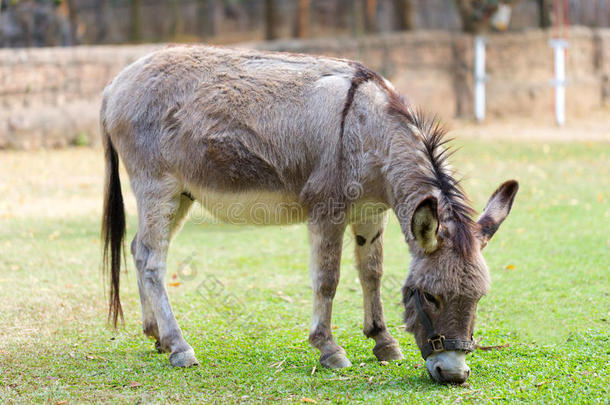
[(227, 119)]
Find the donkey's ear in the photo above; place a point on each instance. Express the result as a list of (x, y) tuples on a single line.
[(496, 210), (424, 224)]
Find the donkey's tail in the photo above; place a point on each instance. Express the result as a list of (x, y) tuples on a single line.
[(113, 227)]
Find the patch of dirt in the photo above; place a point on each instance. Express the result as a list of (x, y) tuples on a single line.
[(596, 128), (54, 183)]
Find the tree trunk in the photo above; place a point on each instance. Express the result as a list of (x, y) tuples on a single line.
[(135, 30), (356, 17), (465, 11), (101, 21), (72, 19), (270, 20), (544, 13), (404, 14), (206, 10), (301, 28), (370, 16), (177, 27)]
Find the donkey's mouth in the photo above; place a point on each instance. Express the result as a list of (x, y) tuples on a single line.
[(448, 367)]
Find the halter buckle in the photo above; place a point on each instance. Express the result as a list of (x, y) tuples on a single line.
[(437, 343)]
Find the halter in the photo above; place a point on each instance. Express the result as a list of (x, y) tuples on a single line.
[(436, 343)]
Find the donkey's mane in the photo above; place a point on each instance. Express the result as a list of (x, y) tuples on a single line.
[(454, 204)]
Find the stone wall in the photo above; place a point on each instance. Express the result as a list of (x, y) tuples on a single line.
[(49, 97)]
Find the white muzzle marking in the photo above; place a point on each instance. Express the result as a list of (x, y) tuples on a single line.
[(448, 367)]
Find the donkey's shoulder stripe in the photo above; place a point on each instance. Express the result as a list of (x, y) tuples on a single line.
[(361, 75)]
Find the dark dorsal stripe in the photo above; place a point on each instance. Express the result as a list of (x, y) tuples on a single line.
[(361, 75)]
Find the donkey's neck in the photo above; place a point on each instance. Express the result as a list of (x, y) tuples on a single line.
[(416, 168), (405, 181)]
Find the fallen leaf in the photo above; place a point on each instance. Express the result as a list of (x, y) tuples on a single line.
[(61, 402), (498, 347), (305, 399), (176, 284), (416, 366), (135, 384), (54, 235), (384, 363), (174, 276), (600, 197), (540, 384), (313, 370), (285, 298), (510, 267)]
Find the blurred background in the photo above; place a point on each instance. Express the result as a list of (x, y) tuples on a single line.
[(74, 22), (57, 56)]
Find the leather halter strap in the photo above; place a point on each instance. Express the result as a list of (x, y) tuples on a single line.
[(437, 343)]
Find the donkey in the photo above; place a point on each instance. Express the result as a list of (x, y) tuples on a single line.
[(232, 127)]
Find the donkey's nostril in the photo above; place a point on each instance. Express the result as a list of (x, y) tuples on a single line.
[(439, 372), (459, 378)]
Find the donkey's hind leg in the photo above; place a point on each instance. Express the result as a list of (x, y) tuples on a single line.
[(159, 208), (149, 322), (369, 258)]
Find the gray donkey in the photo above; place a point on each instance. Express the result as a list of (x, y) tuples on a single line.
[(297, 138)]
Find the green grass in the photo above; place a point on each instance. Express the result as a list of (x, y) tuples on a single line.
[(550, 266)]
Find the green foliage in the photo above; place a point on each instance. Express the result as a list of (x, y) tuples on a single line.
[(81, 139), (549, 303)]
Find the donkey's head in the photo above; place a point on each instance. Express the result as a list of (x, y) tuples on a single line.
[(447, 278)]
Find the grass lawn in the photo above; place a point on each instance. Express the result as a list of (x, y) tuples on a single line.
[(242, 295)]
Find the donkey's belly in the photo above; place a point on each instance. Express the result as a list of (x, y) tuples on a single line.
[(252, 207)]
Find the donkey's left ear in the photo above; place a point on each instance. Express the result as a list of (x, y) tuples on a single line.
[(496, 210), (425, 223)]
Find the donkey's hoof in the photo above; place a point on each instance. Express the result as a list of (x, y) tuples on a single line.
[(387, 352), (335, 360), (183, 359)]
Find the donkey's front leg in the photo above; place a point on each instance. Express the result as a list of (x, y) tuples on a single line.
[(369, 259), (326, 242)]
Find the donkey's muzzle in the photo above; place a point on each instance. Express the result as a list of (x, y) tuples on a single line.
[(448, 367)]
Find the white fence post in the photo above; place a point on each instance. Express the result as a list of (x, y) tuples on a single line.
[(559, 46), (479, 78)]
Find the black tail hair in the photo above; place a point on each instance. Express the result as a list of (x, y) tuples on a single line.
[(113, 230)]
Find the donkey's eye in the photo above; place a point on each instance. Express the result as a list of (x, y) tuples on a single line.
[(430, 298)]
